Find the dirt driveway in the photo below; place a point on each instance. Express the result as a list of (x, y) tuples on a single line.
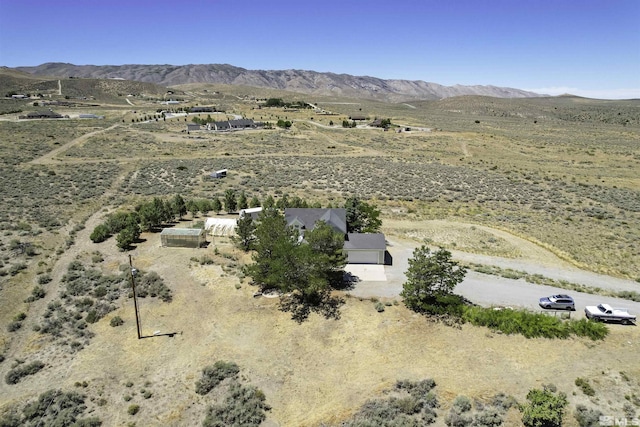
[(489, 290)]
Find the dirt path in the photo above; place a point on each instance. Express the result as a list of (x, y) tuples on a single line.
[(49, 157)]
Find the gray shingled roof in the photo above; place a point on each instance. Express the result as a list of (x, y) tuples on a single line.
[(336, 217), (365, 241)]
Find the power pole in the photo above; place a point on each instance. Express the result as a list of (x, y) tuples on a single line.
[(133, 272)]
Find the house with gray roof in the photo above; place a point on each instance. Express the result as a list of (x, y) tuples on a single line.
[(306, 218), (360, 248)]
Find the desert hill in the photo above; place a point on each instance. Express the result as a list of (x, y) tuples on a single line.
[(309, 82), (20, 82)]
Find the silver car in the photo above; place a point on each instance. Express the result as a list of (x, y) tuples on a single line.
[(558, 302)]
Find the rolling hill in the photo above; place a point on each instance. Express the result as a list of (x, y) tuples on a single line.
[(309, 82)]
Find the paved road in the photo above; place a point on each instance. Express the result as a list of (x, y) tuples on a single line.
[(489, 290)]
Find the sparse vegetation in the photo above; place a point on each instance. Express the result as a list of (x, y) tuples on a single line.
[(16, 374), (555, 184), (214, 375)]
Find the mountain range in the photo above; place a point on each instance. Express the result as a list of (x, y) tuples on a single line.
[(309, 82)]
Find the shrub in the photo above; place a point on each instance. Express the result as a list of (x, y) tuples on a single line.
[(587, 417), (243, 406), (14, 326), (152, 285), (133, 409), (17, 268), (44, 279), (545, 408), (532, 325), (15, 375), (116, 321), (214, 375), (57, 408), (585, 386), (379, 307), (100, 233), (490, 417)]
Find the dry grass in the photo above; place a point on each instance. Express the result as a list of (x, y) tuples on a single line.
[(567, 183)]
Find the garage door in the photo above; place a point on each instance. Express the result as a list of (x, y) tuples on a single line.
[(364, 257)]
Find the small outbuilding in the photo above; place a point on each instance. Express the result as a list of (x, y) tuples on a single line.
[(182, 237), (219, 173)]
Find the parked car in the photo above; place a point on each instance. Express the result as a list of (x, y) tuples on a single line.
[(606, 313), (558, 302)]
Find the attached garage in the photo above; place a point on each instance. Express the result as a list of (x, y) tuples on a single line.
[(365, 248), (182, 237)]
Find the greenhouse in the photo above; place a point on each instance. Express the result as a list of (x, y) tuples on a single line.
[(182, 237)]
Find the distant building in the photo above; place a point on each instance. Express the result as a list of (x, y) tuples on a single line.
[(233, 125), (193, 126), (46, 114), (219, 174)]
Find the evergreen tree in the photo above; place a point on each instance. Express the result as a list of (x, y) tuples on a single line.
[(230, 202), (245, 233), (362, 217), (216, 205), (431, 275), (242, 201), (254, 202), (269, 202), (178, 207)]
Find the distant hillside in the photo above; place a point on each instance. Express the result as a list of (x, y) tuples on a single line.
[(19, 82), (310, 82)]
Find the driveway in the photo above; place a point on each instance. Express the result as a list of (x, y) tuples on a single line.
[(490, 290)]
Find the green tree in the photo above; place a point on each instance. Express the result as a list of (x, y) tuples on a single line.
[(153, 214), (205, 205), (245, 233), (269, 202), (242, 201), (273, 247), (100, 233), (216, 205), (178, 206), (230, 202), (361, 216), (283, 202), (329, 258), (193, 207), (430, 275), (126, 237), (274, 102), (254, 202), (286, 124), (306, 270), (545, 408)]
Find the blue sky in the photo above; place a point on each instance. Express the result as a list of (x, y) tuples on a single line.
[(584, 47)]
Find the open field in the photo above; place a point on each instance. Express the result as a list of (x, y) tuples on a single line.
[(558, 173)]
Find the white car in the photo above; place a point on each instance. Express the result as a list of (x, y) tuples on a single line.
[(606, 313)]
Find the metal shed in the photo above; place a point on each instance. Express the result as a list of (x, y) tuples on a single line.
[(182, 237)]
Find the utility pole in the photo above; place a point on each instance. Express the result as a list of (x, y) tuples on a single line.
[(133, 272)]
